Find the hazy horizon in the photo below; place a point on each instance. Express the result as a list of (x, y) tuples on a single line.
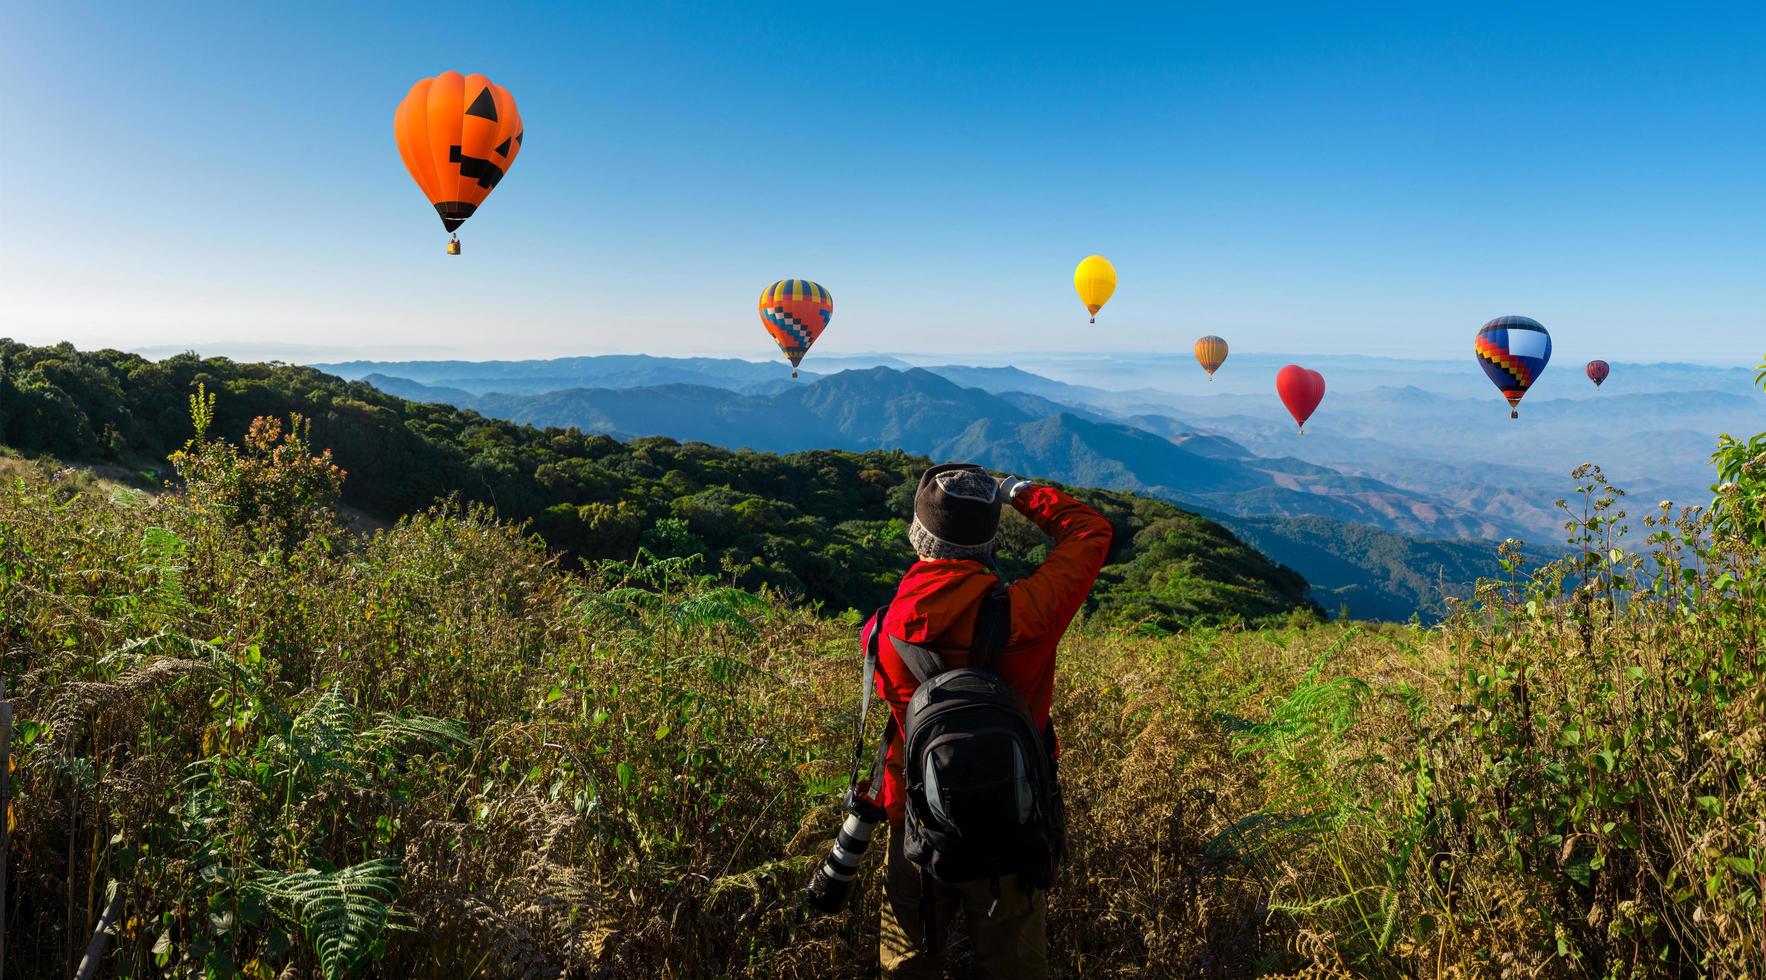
[(307, 354)]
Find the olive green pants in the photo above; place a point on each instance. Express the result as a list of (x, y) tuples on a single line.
[(1010, 943)]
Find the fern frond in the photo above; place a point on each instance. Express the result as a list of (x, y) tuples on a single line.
[(1328, 902), (131, 646), (324, 737), (344, 913), (630, 595), (622, 604), (162, 554), (723, 607), (827, 785), (752, 880), (416, 734), (717, 668), (330, 723)]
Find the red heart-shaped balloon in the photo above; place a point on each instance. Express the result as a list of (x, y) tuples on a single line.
[(1301, 390)]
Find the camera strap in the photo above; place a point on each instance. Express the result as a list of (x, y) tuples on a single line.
[(864, 707)]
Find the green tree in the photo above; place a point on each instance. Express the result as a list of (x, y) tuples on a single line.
[(1740, 504)]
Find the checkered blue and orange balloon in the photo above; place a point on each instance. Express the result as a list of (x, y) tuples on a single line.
[(795, 312)]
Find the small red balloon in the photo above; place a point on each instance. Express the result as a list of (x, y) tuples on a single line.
[(1597, 372), (1301, 390)]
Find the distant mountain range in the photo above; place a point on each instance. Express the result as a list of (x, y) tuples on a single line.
[(1438, 427), (1420, 451), (1397, 550), (607, 371), (921, 411)]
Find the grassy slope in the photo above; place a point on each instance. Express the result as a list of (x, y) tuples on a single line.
[(631, 772)]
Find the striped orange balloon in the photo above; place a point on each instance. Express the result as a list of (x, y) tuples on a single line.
[(1211, 354), (458, 135)]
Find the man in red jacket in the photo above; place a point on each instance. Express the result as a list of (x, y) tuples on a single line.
[(956, 518)]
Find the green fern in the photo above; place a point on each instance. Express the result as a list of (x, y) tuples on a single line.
[(823, 786), (621, 606), (330, 739), (725, 607), (777, 874), (162, 556), (345, 914), (323, 738), (718, 669), (417, 733)]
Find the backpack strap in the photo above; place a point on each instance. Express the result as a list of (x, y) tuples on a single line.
[(993, 628), (924, 662)]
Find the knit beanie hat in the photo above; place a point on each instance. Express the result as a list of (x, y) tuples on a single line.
[(956, 513)]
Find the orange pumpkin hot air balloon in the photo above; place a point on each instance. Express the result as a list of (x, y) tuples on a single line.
[(795, 312), (458, 135)]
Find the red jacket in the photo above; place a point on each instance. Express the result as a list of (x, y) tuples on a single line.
[(935, 606)]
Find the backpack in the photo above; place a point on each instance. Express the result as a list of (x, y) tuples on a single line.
[(982, 801)]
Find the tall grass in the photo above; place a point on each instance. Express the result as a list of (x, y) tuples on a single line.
[(432, 752)]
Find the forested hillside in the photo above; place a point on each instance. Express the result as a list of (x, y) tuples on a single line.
[(824, 526), (1375, 574)]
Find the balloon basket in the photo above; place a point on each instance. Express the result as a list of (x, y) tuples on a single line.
[(1094, 319), (1514, 415), (454, 245), (794, 372)]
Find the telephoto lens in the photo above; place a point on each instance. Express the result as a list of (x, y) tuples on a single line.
[(832, 882)]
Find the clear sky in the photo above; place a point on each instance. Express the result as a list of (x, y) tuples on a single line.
[(1302, 179)]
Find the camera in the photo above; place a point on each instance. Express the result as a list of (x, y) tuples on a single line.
[(832, 881)]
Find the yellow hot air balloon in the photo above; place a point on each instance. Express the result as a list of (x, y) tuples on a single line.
[(1096, 280), (1211, 354)]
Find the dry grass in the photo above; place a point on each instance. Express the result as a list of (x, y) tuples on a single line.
[(642, 765)]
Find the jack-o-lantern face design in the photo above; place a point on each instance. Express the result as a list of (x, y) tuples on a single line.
[(458, 135), (795, 312)]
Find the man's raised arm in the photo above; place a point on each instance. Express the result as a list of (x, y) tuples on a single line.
[(1046, 601)]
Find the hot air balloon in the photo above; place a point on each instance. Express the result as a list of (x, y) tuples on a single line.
[(1096, 280), (795, 312), (458, 135), (1513, 351), (1301, 390), (1598, 371), (1211, 354)]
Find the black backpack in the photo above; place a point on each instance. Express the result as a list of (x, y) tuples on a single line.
[(983, 801)]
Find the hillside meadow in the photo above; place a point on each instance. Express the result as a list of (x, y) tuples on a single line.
[(273, 748)]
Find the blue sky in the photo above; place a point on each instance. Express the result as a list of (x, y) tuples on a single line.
[(1304, 179)]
